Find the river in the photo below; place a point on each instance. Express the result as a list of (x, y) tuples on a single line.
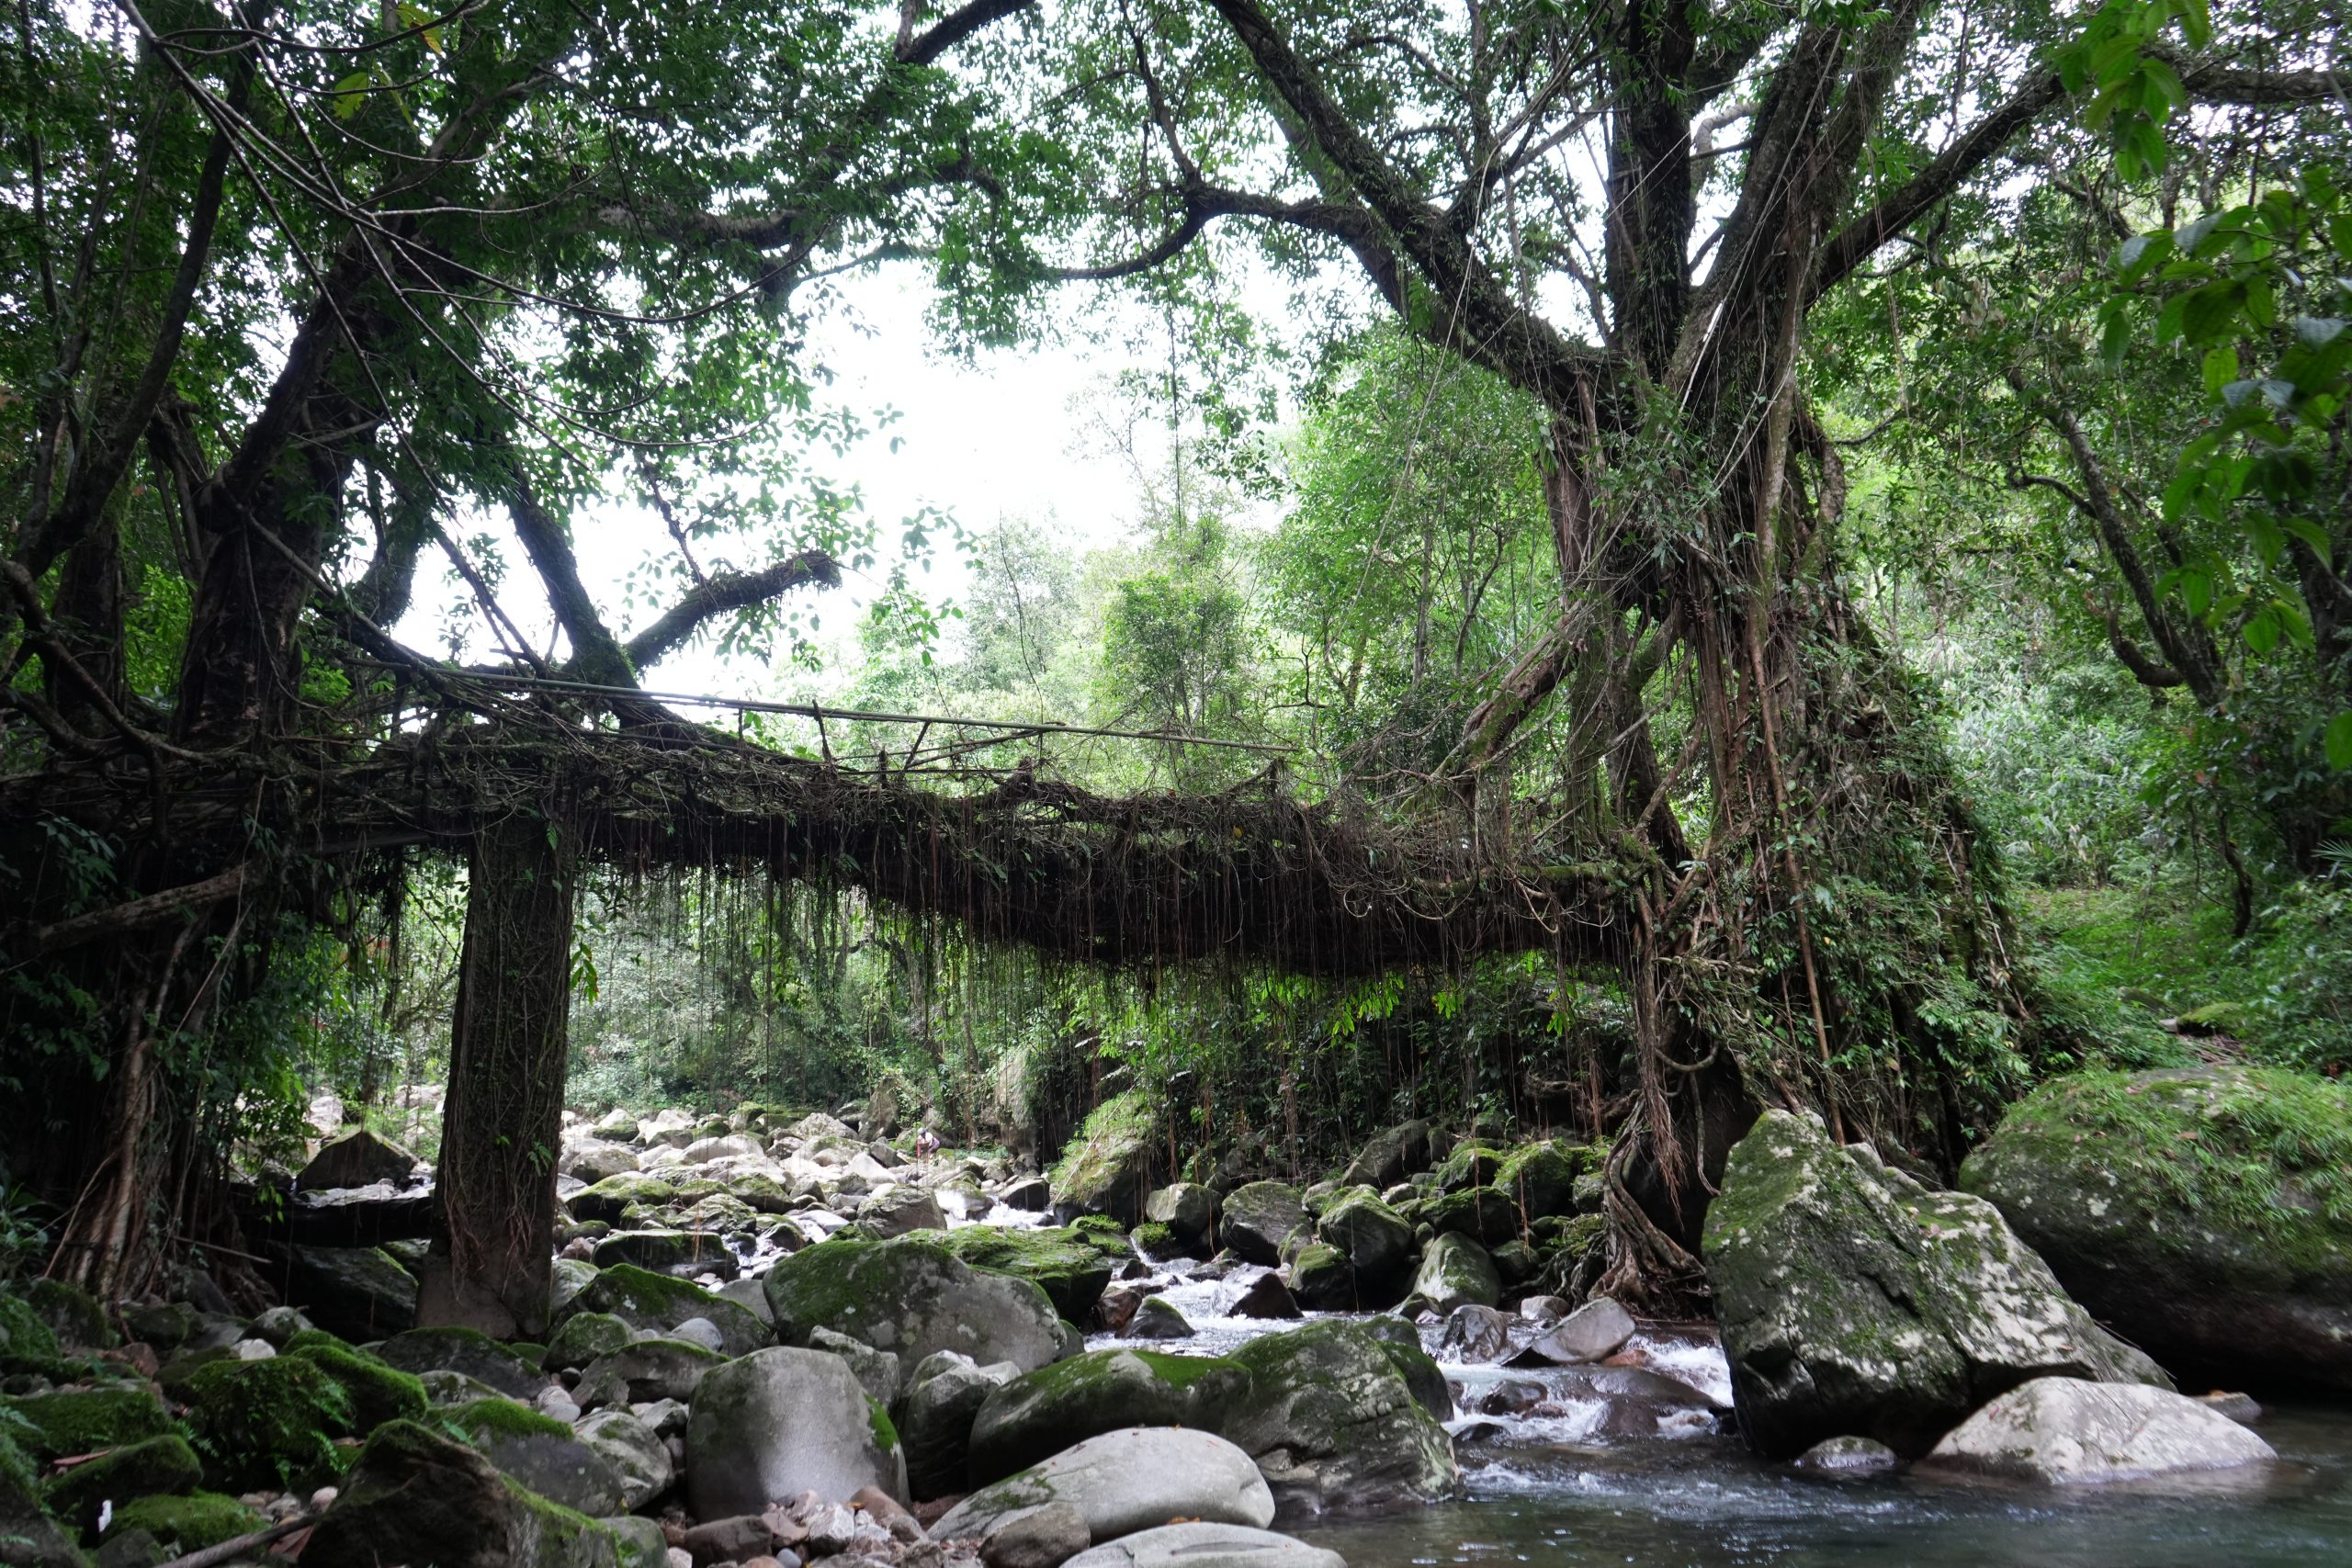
[(1586, 1478)]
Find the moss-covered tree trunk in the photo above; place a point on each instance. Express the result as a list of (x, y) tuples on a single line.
[(490, 1264)]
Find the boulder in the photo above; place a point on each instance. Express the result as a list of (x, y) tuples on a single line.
[(1039, 1414), (1043, 1537), (1593, 1332), (181, 1524), (636, 1456), (414, 1496), (900, 1210), (2062, 1431), (1030, 1194), (1373, 1238), (1474, 1335), (358, 1292), (1107, 1168), (1266, 1296), (639, 1542), (29, 1537), (1261, 1218), (1207, 1546), (643, 1370), (725, 1145), (611, 1197), (466, 1350), (1158, 1318), (1070, 1265), (1321, 1280), (73, 1316), (1847, 1459), (581, 1338), (1455, 1271), (877, 1372), (1853, 1301), (541, 1453), (935, 1425), (1540, 1178), (594, 1160), (781, 1422), (81, 1421), (1123, 1482), (1473, 1162), (1339, 1415), (1388, 1155), (662, 1250), (165, 1464), (1488, 1215), (2202, 1213), (358, 1158), (913, 1297), (1186, 1208), (656, 1304)]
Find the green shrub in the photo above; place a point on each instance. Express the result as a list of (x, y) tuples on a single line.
[(267, 1424)]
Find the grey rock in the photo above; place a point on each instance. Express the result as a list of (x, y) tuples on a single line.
[(780, 1422), (584, 1337), (1126, 1481), (1030, 1194), (1345, 1415), (635, 1452), (1185, 1207), (358, 1158), (1266, 1296), (936, 1424), (278, 1325), (901, 1210), (465, 1351), (912, 1297), (1207, 1546), (1455, 1271), (645, 1370), (1854, 1303), (358, 1292), (1043, 1537), (1544, 1311), (1474, 1335), (1156, 1318), (751, 1296), (1847, 1459), (1033, 1416), (595, 1160), (2064, 1431), (562, 1468), (877, 1370), (701, 1331), (1386, 1156), (1261, 1218), (415, 1497), (641, 1541), (1594, 1331)]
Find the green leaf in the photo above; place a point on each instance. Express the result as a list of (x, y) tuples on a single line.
[(2339, 742), (350, 94), (2221, 368), (2209, 311), (2261, 630), (2310, 534)]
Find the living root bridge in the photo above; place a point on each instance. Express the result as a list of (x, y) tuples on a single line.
[(1242, 876)]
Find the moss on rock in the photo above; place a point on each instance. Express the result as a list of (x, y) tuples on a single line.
[(2206, 1212), (1039, 1414), (165, 1464), (186, 1524), (377, 1392), (1070, 1265), (81, 1421), (271, 1423), (1107, 1168), (658, 1303)]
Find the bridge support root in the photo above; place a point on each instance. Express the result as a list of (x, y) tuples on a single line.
[(489, 1266)]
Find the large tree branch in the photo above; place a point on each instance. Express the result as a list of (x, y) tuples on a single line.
[(925, 48), (1525, 347), (2208, 82), (726, 592)]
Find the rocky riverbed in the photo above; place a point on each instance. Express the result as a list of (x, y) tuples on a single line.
[(778, 1341)]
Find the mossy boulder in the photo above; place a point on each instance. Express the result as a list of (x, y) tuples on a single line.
[(1261, 1218), (2205, 1214), (1853, 1301), (1070, 1265), (82, 1421), (377, 1392), (1488, 1215), (1375, 1239), (186, 1524), (73, 1316), (584, 1337), (781, 1422), (1388, 1155), (540, 1452), (360, 1293), (1540, 1179), (1321, 1281), (657, 1303), (1108, 1166), (646, 1370), (614, 1196), (265, 1424), (1185, 1207), (913, 1296), (468, 1351), (1039, 1414), (1474, 1162), (1455, 1271), (1159, 1243), (26, 1342), (165, 1464), (416, 1496), (1345, 1415), (29, 1537)]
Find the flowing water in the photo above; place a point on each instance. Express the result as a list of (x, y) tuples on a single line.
[(1618, 1467)]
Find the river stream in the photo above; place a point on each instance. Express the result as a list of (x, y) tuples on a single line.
[(1607, 1468)]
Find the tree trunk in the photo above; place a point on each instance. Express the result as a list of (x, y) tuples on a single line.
[(490, 1264)]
